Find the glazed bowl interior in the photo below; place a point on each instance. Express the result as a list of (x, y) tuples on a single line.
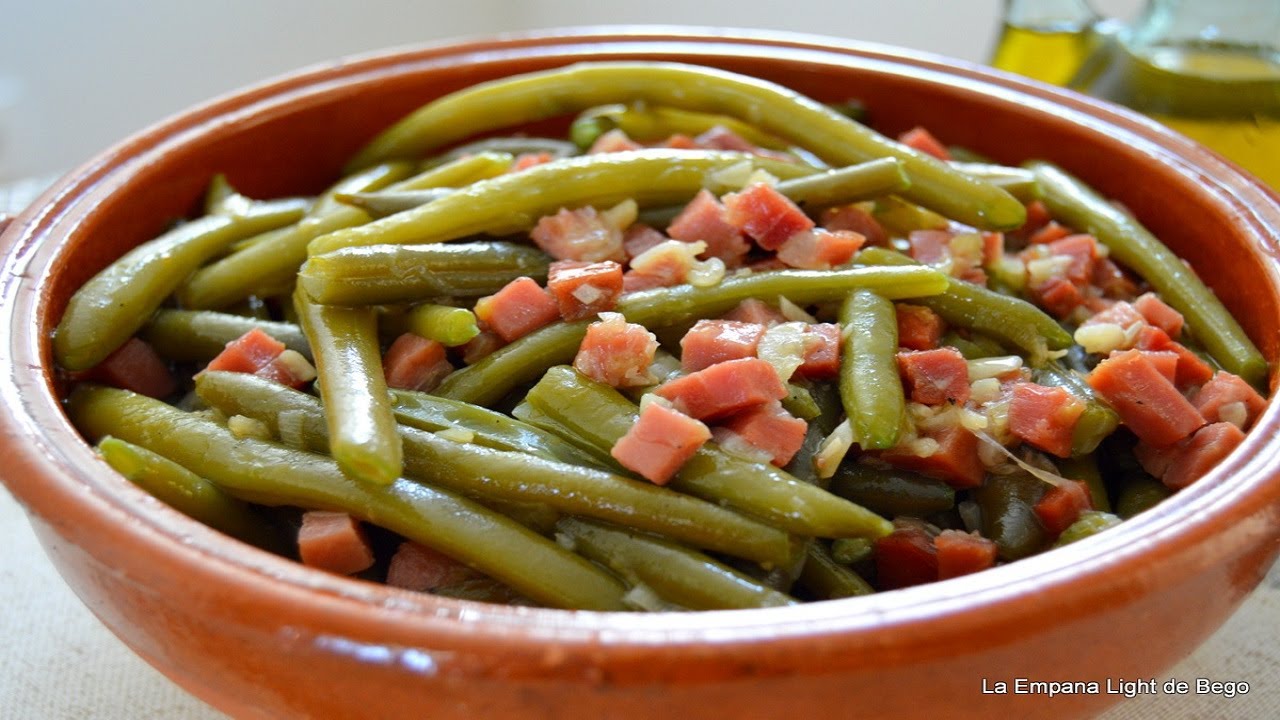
[(152, 575)]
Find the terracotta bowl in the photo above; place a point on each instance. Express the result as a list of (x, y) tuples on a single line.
[(259, 636)]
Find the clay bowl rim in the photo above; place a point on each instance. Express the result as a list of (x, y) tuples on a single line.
[(60, 480)]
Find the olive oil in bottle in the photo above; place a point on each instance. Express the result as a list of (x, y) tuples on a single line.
[(1047, 40)]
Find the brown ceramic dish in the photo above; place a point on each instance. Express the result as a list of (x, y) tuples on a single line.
[(258, 636)]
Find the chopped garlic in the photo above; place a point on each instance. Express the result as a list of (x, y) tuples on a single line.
[(792, 311), (706, 273), (457, 434), (784, 346), (1100, 338), (984, 391), (993, 367), (622, 215), (246, 427), (833, 449)]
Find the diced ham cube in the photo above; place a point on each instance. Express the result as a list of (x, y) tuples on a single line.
[(257, 353), (955, 461), (1049, 232), (855, 218), (1227, 389), (919, 328), (720, 137), (822, 352), (1158, 314), (714, 341), (724, 389), (584, 289), (640, 237), (289, 368), (581, 234), (481, 346), (1058, 295), (1061, 506), (422, 569), (1037, 217), (1147, 401), (1083, 251), (518, 309), (333, 541), (1189, 369), (705, 219), (931, 247), (961, 553), (767, 216), (1208, 447), (905, 557), (921, 139), (633, 281), (136, 366), (680, 141), (992, 247), (753, 310), (1111, 280), (524, 161), (616, 352), (1119, 313), (614, 140), (415, 363), (935, 377), (770, 429), (660, 442), (1044, 417), (820, 249)]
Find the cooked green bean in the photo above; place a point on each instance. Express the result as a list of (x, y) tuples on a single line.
[(891, 491), (1091, 523), (1131, 244), (678, 575), (1014, 322), (516, 476), (376, 274), (647, 123), (1097, 421), (597, 416), (517, 145), (108, 309), (870, 387), (974, 347), (1018, 182), (362, 428), (514, 202), (199, 335), (188, 493), (596, 456), (1085, 469), (827, 579), (1140, 492), (847, 184), (448, 325), (265, 473), (851, 551), (1008, 517), (525, 359), (269, 267), (835, 138), (389, 202)]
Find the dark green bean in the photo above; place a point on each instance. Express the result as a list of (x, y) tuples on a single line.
[(891, 492), (678, 575), (1097, 421), (377, 274), (1008, 517), (1076, 204), (835, 138), (1085, 469), (199, 335), (870, 387), (269, 474), (827, 579), (362, 428)]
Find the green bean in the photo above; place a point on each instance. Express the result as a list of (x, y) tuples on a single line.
[(447, 325), (268, 267), (901, 218), (646, 123), (1096, 423), (1085, 469), (525, 359), (516, 476), (107, 310), (188, 493), (847, 184), (376, 274), (266, 473), (1008, 517), (678, 575), (851, 551), (513, 203), (1013, 322), (1140, 493), (1075, 204), (1018, 182), (826, 398), (199, 335), (870, 387), (492, 429), (1091, 522), (974, 347), (836, 139), (799, 402), (349, 376), (389, 202), (517, 145), (596, 456), (890, 491), (597, 416), (827, 579)]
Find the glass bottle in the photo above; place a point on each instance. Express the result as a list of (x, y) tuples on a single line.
[(1209, 69), (1048, 40)]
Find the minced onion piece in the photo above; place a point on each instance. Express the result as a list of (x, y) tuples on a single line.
[(649, 398), (970, 514), (298, 366), (622, 215), (706, 273), (792, 311), (457, 434), (733, 177), (984, 391), (246, 427), (833, 449), (1042, 474), (1100, 338), (993, 367), (783, 346), (1045, 269)]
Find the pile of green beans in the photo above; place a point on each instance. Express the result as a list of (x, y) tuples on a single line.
[(506, 465)]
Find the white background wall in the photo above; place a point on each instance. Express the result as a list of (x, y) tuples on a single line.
[(76, 76)]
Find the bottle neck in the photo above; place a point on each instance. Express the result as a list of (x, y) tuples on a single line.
[(1049, 15), (1243, 24)]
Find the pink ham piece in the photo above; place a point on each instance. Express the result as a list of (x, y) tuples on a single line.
[(705, 219), (757, 311), (714, 341), (581, 234), (1044, 417), (517, 309), (333, 541), (422, 569), (137, 367), (1145, 398), (613, 141), (767, 216), (919, 328), (935, 377), (640, 237), (1226, 389), (1159, 314), (918, 138), (770, 429), (660, 442), (853, 217), (616, 352), (820, 249), (822, 352), (955, 461), (584, 289), (415, 363), (724, 388)]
